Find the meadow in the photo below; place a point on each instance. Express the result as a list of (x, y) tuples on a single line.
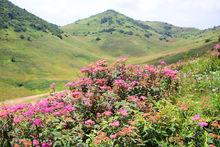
[(124, 105), (35, 53)]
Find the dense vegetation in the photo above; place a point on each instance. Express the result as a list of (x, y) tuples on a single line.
[(124, 105), (21, 20)]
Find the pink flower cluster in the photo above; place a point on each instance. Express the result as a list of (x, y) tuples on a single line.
[(115, 124), (89, 122), (200, 121), (217, 46), (170, 73), (98, 97)]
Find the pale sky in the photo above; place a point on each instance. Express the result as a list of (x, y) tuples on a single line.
[(186, 13)]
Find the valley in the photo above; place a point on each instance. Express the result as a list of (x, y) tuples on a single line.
[(35, 53)]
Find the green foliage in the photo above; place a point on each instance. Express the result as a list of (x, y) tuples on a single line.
[(106, 109), (97, 39), (207, 40), (20, 20), (22, 36)]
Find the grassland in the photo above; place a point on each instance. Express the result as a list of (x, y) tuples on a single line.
[(32, 59)]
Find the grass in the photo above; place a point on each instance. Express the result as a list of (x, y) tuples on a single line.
[(200, 85), (27, 67)]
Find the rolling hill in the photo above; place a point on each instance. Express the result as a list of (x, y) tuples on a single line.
[(35, 53)]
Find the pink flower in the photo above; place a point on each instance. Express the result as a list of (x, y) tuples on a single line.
[(162, 62), (132, 98), (105, 87), (142, 97), (76, 94), (17, 119), (123, 112), (170, 73), (217, 46), (29, 113), (70, 108), (37, 122), (107, 113), (35, 142), (121, 83), (203, 124), (89, 122), (84, 70), (52, 85), (98, 115), (46, 144), (151, 69), (87, 102), (115, 124), (113, 136), (196, 117)]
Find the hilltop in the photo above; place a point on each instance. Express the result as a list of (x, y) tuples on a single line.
[(117, 34)]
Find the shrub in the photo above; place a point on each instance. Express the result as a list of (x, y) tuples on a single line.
[(219, 39), (112, 105), (60, 36), (129, 33), (22, 36), (109, 30), (207, 40), (106, 20), (29, 38), (109, 95), (13, 59), (19, 28), (97, 39), (146, 35)]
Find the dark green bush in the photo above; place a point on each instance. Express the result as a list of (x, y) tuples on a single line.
[(22, 36), (97, 39), (60, 36), (29, 38), (207, 40), (19, 28), (107, 20)]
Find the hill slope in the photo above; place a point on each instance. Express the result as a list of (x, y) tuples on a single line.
[(117, 34), (21, 20), (35, 53), (33, 57)]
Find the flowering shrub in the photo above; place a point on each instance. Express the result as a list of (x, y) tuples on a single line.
[(112, 105)]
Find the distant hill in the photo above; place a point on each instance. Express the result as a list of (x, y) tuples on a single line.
[(117, 34), (112, 21), (35, 53), (21, 20)]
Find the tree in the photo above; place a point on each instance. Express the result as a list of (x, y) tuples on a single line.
[(22, 36)]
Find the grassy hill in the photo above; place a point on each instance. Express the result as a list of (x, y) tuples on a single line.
[(35, 53), (116, 35), (20, 20)]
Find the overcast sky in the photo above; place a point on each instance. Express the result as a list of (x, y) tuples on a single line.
[(187, 13)]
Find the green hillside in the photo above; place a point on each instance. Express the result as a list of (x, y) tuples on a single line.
[(35, 53), (20, 20), (117, 35)]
